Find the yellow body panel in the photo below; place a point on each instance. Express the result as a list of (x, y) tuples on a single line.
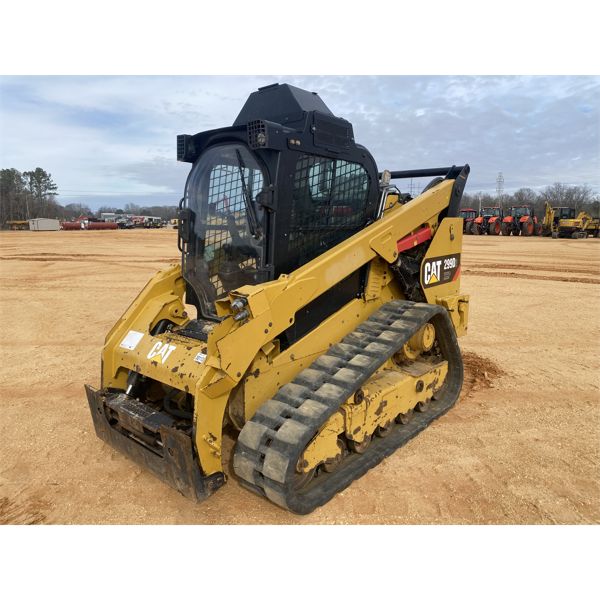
[(161, 298)]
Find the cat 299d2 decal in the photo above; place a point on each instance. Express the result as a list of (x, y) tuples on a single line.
[(440, 269)]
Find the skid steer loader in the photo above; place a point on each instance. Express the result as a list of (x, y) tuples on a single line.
[(316, 310)]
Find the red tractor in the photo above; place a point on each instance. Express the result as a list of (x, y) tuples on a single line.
[(521, 220), (488, 221), (468, 215)]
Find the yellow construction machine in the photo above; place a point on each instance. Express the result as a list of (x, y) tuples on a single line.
[(580, 226), (316, 311), (549, 220), (560, 221)]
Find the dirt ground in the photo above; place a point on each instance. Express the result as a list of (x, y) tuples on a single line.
[(521, 446)]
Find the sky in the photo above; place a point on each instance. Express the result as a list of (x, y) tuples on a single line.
[(112, 140)]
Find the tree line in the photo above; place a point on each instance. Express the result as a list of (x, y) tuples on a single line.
[(27, 195), (32, 194), (579, 197)]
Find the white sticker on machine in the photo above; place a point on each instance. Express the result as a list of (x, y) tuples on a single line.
[(200, 357), (131, 340)]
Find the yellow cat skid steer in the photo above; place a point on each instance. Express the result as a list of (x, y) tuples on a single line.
[(316, 310)]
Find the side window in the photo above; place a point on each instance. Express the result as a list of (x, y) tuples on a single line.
[(329, 204), (227, 242), (222, 254)]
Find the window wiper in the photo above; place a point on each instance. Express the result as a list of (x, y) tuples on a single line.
[(255, 229)]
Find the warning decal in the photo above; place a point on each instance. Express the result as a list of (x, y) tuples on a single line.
[(439, 270), (131, 340)]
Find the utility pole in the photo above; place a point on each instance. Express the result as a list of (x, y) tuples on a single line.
[(500, 188)]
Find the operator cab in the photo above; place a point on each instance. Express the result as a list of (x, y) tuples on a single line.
[(564, 212), (283, 185), (520, 211), (490, 211)]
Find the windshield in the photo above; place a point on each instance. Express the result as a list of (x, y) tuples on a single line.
[(225, 250), (467, 214), (488, 211), (520, 211), (566, 213)]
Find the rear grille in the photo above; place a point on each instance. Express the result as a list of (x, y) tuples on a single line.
[(257, 134)]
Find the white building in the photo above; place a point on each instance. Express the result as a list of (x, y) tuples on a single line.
[(44, 224)]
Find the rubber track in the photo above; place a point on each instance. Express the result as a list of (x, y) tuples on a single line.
[(270, 444)]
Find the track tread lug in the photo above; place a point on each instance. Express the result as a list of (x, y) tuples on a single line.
[(311, 378)]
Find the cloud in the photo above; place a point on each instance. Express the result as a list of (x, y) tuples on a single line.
[(112, 139)]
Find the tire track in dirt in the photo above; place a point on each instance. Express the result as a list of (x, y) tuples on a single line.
[(531, 276), (531, 267), (62, 254), (22, 512), (108, 259)]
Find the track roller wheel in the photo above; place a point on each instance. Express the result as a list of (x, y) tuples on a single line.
[(384, 430), (329, 466), (405, 418), (360, 448), (423, 406)]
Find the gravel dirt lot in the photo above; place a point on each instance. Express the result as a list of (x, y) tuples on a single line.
[(521, 446)]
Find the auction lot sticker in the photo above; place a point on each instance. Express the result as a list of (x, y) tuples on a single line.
[(131, 340)]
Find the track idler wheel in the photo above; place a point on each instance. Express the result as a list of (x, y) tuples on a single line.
[(422, 341)]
